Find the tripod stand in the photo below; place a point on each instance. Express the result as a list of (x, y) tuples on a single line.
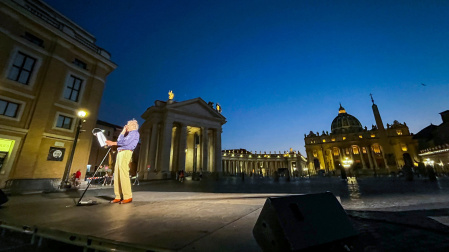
[(84, 203)]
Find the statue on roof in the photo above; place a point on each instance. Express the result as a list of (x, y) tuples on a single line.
[(218, 108), (171, 95)]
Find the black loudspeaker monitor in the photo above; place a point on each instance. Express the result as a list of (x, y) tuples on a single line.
[(293, 223)]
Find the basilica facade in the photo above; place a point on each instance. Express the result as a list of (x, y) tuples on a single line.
[(378, 150)]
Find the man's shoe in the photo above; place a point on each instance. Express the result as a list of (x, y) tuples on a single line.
[(126, 201), (115, 201)]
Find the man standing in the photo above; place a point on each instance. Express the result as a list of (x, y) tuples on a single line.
[(126, 143)]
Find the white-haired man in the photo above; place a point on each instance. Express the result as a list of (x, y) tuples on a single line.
[(126, 143)]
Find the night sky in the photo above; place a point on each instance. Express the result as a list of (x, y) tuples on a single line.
[(279, 69)]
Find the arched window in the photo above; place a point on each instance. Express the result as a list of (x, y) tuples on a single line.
[(355, 149), (376, 148), (336, 151)]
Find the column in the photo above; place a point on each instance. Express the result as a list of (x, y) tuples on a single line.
[(374, 158), (323, 155), (143, 155), (368, 150), (361, 157), (218, 150), (205, 149), (182, 147), (383, 156), (331, 163), (164, 157), (153, 146)]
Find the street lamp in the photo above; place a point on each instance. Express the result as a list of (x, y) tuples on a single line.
[(429, 162), (65, 179), (347, 163)]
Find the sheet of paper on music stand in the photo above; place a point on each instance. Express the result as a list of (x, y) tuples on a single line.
[(101, 138)]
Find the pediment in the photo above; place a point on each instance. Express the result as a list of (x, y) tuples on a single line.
[(196, 107)]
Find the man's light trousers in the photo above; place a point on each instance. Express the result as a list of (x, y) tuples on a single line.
[(122, 182)]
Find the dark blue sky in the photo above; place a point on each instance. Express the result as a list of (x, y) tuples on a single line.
[(278, 68)]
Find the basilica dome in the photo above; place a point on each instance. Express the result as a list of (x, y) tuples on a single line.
[(345, 123)]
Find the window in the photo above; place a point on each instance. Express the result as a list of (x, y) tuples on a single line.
[(376, 149), (364, 150), (399, 132), (8, 108), (336, 151), (64, 122), (355, 150), (315, 153), (372, 135), (404, 147), (33, 39), (80, 64), (73, 88), (22, 68)]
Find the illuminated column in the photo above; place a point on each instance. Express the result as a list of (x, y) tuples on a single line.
[(368, 153), (340, 155), (326, 167), (374, 159), (218, 150), (164, 156), (205, 149), (361, 157), (182, 147), (144, 153), (383, 156), (153, 146), (332, 159)]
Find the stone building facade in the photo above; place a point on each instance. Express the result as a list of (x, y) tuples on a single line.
[(49, 69), (266, 164), (433, 144), (180, 136), (378, 150)]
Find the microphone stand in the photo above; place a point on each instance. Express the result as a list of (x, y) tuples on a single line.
[(85, 203)]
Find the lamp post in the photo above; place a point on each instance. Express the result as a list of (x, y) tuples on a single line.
[(346, 165), (65, 179)]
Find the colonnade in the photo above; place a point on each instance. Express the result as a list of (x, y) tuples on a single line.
[(171, 146), (248, 164), (238, 166), (369, 157)]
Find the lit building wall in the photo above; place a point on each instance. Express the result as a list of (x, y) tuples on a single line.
[(49, 69), (183, 135), (377, 150), (239, 161)]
